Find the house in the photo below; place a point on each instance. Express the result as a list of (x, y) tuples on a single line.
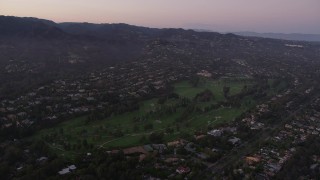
[(148, 148), (215, 150), (142, 157), (176, 143), (190, 147), (67, 170), (200, 136), (183, 170), (256, 126), (12, 117), (215, 132), (273, 167), (159, 147), (171, 160), (288, 126), (202, 155), (72, 167), (22, 114), (252, 159), (90, 98), (204, 73), (231, 129), (234, 140), (314, 166), (27, 122), (42, 159), (135, 150), (64, 171)]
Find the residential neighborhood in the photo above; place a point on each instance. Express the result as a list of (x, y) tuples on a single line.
[(128, 102)]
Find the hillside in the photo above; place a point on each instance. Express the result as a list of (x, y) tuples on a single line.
[(43, 50), (94, 101), (293, 37)]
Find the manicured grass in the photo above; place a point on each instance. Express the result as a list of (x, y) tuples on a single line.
[(125, 141), (215, 117), (186, 89), (100, 132), (275, 90)]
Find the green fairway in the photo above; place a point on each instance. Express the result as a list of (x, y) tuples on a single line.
[(186, 89), (215, 117), (99, 132), (132, 128), (125, 141)]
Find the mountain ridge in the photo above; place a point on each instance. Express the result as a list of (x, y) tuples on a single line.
[(290, 36)]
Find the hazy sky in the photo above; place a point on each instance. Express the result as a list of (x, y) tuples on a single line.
[(287, 16)]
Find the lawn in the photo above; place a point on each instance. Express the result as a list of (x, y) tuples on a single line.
[(215, 117), (278, 88), (99, 133), (186, 89)]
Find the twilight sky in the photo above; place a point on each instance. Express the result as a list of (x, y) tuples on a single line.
[(287, 16)]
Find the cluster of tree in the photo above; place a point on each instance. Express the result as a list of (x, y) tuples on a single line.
[(205, 96), (114, 109), (14, 131), (300, 165), (14, 155), (156, 137), (163, 110), (194, 81), (226, 91), (187, 112)]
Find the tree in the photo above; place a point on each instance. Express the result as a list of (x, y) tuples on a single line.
[(12, 154), (244, 89), (40, 147), (226, 91), (205, 96), (148, 126), (135, 128), (85, 143), (169, 130), (156, 137), (195, 81), (4, 170), (162, 100), (143, 139)]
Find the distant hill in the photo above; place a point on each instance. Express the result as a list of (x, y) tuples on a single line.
[(29, 28), (32, 39), (32, 47), (293, 37), (108, 30)]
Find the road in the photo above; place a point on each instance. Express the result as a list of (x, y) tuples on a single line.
[(252, 144)]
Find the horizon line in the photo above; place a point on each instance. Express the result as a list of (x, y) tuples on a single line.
[(153, 27)]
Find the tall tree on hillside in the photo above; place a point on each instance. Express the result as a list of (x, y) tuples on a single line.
[(226, 91), (195, 81)]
